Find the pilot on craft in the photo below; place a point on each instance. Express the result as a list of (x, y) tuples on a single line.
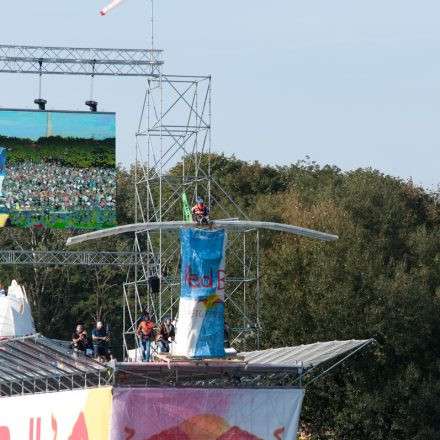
[(165, 335), (145, 335), (200, 212)]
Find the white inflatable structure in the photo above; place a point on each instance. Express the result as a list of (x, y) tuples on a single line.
[(15, 313)]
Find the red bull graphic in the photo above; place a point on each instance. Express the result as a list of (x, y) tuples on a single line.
[(153, 414), (205, 414), (201, 309)]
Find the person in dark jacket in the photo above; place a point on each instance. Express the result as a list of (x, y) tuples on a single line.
[(99, 337), (80, 341), (165, 335)]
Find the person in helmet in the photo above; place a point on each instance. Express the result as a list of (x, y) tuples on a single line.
[(200, 212)]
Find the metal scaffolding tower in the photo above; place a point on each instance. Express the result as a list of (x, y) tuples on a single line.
[(173, 156)]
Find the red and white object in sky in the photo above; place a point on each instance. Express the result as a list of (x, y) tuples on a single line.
[(112, 5)]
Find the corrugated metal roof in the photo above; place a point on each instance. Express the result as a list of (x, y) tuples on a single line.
[(37, 364), (304, 356)]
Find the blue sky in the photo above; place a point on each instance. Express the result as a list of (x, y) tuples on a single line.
[(355, 84), (33, 124)]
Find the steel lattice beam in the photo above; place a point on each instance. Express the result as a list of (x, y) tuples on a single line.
[(80, 61), (74, 258)]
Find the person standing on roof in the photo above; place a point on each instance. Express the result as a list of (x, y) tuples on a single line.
[(80, 341), (99, 337), (165, 335), (145, 336), (200, 212)]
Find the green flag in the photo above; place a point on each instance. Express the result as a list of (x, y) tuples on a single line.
[(186, 209)]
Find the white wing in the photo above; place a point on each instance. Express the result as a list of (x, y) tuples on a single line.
[(176, 225)]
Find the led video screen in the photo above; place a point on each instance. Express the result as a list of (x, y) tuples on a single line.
[(57, 169)]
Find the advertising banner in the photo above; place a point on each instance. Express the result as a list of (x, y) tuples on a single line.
[(65, 415), (200, 325), (205, 414), (57, 169)]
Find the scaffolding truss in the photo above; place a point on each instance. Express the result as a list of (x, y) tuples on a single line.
[(173, 156), (73, 258), (173, 147), (80, 61)]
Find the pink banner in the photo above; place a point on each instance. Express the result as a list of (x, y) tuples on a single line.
[(205, 414)]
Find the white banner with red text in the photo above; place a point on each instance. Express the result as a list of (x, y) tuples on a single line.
[(64, 415)]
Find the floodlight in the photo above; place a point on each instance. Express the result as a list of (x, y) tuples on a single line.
[(93, 105), (41, 103)]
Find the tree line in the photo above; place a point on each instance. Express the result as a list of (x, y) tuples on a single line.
[(380, 280)]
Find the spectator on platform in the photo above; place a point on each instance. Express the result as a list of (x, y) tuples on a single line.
[(2, 290), (99, 337), (80, 341), (165, 335), (145, 335)]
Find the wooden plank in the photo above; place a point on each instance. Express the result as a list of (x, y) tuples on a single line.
[(170, 358)]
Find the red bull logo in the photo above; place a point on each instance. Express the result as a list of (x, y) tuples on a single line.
[(193, 280)]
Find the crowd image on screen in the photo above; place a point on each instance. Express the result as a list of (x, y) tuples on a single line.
[(51, 186)]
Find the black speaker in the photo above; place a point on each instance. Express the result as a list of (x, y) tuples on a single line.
[(154, 284)]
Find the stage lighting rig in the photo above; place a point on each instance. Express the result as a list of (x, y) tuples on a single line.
[(41, 103), (93, 105)]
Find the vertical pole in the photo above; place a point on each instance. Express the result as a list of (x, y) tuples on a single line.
[(183, 186), (40, 76), (124, 324), (245, 323), (160, 196), (152, 24), (209, 143), (197, 158), (149, 146), (92, 80), (257, 288)]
